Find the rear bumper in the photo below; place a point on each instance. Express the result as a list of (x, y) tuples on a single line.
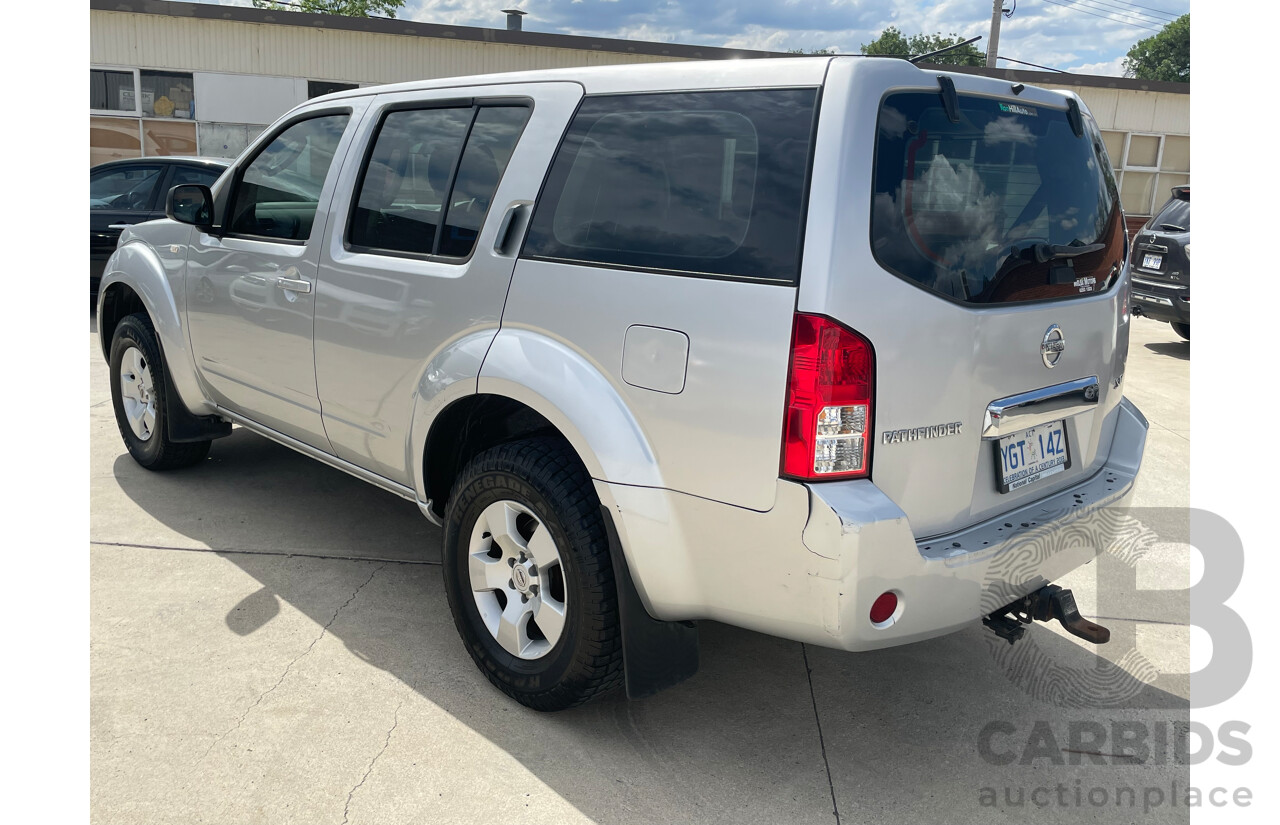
[(1160, 303), (811, 567)]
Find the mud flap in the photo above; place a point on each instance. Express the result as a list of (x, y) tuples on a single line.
[(184, 425), (655, 654)]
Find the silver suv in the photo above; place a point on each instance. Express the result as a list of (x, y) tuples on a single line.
[(828, 348)]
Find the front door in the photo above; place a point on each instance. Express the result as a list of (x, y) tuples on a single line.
[(251, 288)]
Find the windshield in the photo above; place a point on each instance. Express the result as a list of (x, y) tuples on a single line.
[(1005, 205), (1174, 217)]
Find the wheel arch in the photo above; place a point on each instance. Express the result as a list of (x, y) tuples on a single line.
[(136, 280), (530, 384)]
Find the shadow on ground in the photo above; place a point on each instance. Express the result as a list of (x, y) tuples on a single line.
[(1175, 349), (738, 742)]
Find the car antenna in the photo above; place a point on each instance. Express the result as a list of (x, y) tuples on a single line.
[(920, 57)]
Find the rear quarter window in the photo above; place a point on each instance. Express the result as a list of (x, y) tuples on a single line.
[(706, 183)]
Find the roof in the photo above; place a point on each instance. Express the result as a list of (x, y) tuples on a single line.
[(621, 79)]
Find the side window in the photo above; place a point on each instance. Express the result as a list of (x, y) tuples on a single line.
[(280, 189), (698, 182), (403, 187), (192, 174), (124, 187), (489, 147), (415, 183)]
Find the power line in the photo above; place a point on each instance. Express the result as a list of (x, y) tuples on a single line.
[(1150, 8), (1114, 9), (1102, 16)]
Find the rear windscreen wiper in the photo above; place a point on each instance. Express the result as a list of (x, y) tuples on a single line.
[(1173, 227), (1046, 252)]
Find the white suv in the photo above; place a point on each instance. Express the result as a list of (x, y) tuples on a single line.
[(829, 348)]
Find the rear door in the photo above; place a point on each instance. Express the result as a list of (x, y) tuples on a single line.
[(977, 241), (416, 254)]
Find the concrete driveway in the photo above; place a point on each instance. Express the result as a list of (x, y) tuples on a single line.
[(270, 642)]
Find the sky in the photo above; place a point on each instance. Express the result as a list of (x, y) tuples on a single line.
[(1081, 36)]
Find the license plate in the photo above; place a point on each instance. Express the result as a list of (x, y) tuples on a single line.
[(1150, 261), (1031, 455)]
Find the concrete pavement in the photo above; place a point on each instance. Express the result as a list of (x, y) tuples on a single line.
[(270, 642)]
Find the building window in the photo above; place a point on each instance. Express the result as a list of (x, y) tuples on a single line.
[(166, 94), (315, 88), (114, 91), (1147, 166)]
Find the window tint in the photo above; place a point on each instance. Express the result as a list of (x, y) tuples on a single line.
[(489, 147), (411, 172), (407, 179), (192, 174), (1005, 205), (280, 189), (128, 188), (701, 182)]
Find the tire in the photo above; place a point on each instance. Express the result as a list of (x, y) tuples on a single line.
[(139, 391), (540, 491), (1183, 330)]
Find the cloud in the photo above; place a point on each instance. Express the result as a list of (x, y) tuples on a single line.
[(1108, 68), (1078, 37)]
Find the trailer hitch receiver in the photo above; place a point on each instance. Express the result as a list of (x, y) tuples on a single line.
[(1046, 604)]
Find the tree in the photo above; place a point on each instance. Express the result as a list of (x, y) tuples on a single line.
[(892, 41), (1163, 56), (350, 8)]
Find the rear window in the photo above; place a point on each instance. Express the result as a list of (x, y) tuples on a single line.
[(1174, 217), (1006, 205), (705, 183)]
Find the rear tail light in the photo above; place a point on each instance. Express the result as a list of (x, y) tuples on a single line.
[(827, 431)]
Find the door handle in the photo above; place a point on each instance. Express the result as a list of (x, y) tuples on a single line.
[(507, 229), (294, 284), (1030, 409), (119, 225)]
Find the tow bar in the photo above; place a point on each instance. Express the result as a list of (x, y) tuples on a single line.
[(1046, 604)]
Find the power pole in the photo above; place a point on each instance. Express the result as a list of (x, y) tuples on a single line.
[(997, 8)]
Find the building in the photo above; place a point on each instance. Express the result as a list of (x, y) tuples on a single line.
[(190, 78)]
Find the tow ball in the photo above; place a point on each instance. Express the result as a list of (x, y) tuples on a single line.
[(1046, 604)]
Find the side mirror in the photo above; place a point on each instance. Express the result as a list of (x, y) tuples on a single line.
[(190, 203)]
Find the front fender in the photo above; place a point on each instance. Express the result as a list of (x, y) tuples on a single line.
[(575, 396), (151, 261)]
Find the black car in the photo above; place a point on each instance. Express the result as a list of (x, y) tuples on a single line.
[(1160, 263), (125, 192)]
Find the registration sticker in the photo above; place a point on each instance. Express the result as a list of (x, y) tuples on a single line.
[(1031, 455)]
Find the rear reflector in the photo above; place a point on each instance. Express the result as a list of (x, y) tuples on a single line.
[(827, 431), (883, 608)]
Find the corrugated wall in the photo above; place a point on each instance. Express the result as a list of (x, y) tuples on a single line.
[(191, 44), (1128, 110)]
